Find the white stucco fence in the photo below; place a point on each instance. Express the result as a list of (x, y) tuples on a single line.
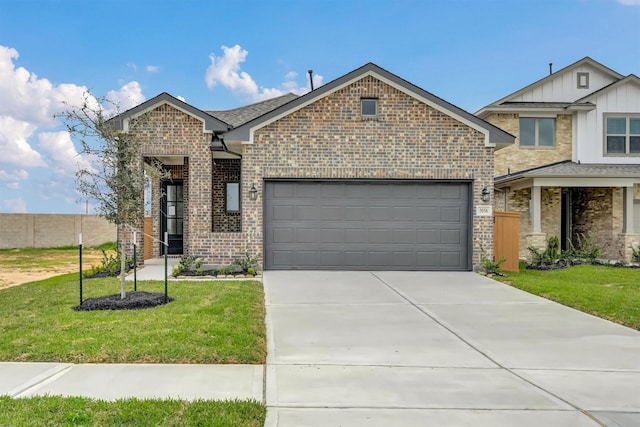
[(53, 230)]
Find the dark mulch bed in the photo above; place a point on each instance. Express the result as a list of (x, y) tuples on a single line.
[(132, 301), (100, 275)]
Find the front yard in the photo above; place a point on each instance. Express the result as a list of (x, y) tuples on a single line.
[(209, 322), (607, 292)]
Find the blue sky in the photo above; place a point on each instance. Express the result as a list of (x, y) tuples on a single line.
[(224, 54)]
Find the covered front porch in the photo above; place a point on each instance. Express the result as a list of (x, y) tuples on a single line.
[(576, 203)]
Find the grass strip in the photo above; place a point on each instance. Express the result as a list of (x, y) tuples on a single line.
[(77, 411)]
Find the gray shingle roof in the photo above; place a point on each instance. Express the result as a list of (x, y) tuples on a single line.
[(575, 170), (239, 116)]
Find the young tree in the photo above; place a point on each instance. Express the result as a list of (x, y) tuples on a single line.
[(118, 172)]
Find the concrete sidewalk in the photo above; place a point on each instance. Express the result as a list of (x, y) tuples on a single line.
[(117, 381), (154, 269)]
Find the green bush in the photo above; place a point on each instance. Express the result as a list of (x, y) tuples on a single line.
[(549, 256), (109, 265), (489, 265)]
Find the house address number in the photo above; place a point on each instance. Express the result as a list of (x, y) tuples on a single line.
[(484, 210)]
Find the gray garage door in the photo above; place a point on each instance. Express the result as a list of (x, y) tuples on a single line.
[(335, 225)]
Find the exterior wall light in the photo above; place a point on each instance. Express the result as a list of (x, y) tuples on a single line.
[(253, 193), (485, 194)]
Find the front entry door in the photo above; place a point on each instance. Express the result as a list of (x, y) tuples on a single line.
[(172, 216)]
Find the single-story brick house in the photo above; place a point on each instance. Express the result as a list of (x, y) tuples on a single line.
[(366, 172)]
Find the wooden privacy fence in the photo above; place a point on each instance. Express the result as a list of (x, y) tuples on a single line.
[(506, 239)]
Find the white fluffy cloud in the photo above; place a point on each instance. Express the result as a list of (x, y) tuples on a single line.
[(14, 146), (226, 71), (29, 105), (152, 68), (126, 97), (65, 159), (30, 136), (29, 98)]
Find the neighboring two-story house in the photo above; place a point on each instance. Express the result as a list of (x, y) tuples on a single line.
[(574, 171), (366, 172)]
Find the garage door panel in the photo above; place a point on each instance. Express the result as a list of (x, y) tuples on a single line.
[(332, 213), (282, 235), (428, 237), (305, 235), (357, 191), (379, 236), (428, 192), (428, 214), (284, 191), (428, 258), (282, 258), (356, 213), (450, 259), (306, 213), (306, 258), (335, 235), (381, 258), (381, 213), (382, 191), (404, 259), (451, 237), (356, 235), (330, 190), (367, 225), (283, 212), (404, 237), (450, 214), (449, 191)]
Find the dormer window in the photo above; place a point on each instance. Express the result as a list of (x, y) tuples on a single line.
[(583, 80)]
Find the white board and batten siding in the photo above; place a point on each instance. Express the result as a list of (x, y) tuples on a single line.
[(564, 88), (589, 127)]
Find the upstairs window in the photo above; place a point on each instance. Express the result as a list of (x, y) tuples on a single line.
[(622, 135), (537, 132)]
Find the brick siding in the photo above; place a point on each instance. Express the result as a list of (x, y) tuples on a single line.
[(514, 158)]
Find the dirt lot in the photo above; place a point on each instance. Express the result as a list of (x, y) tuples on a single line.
[(18, 266)]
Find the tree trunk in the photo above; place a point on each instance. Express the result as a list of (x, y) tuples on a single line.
[(123, 269)]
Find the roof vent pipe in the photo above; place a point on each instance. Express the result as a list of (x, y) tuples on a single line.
[(311, 78), (550, 68)]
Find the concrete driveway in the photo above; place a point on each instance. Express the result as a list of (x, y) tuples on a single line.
[(445, 349)]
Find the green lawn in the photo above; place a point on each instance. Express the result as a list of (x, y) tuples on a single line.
[(209, 322), (608, 292), (75, 411)]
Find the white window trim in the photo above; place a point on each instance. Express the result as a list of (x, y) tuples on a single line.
[(536, 139), (627, 136)]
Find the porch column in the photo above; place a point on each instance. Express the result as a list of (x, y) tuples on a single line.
[(627, 196), (535, 199)]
